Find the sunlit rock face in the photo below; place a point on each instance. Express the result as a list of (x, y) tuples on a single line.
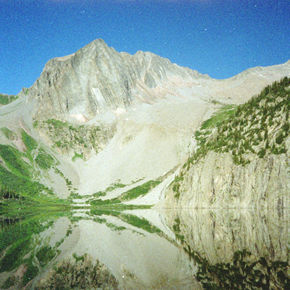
[(240, 161), (97, 79), (216, 182), (121, 117)]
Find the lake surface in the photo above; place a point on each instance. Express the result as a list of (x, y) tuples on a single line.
[(144, 249)]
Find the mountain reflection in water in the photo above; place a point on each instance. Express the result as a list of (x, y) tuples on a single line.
[(144, 249)]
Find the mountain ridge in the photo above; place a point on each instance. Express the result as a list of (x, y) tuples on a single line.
[(113, 118), (111, 79), (97, 79)]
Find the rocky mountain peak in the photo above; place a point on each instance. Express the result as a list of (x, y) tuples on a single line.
[(97, 79), (97, 49)]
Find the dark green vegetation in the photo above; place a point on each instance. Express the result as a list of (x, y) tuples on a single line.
[(80, 139), (255, 129), (110, 225), (17, 246), (115, 205), (28, 141), (130, 219), (13, 159), (25, 252), (22, 186), (109, 189), (11, 281), (16, 176), (44, 160), (131, 194), (139, 223), (177, 231), (7, 99), (77, 155), (79, 273), (139, 191), (45, 254), (34, 151), (259, 127), (20, 172), (67, 181), (224, 113), (245, 271), (8, 133), (176, 185)]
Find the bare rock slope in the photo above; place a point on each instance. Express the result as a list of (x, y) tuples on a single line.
[(97, 78), (141, 109), (242, 156)]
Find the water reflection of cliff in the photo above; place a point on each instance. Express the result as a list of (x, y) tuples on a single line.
[(235, 249), (92, 249), (137, 250)]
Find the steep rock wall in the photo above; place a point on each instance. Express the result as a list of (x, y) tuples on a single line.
[(97, 78), (216, 182)]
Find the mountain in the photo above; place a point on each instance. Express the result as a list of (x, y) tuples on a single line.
[(97, 78), (6, 99), (112, 126), (241, 158)]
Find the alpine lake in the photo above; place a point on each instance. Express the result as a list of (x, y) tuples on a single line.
[(119, 248)]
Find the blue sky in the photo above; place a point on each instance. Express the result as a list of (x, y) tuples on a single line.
[(217, 37)]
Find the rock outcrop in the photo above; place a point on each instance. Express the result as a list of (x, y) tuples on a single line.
[(116, 117), (216, 182), (97, 79), (241, 159)]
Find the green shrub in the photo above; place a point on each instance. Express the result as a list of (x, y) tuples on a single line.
[(8, 133), (20, 184), (44, 160), (9, 282), (280, 138), (77, 155), (7, 99), (31, 273), (139, 223), (140, 190), (45, 254), (13, 255), (29, 142), (13, 160), (246, 126)]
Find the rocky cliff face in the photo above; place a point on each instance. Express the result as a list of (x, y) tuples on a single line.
[(97, 79), (116, 117), (216, 182), (241, 159)]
